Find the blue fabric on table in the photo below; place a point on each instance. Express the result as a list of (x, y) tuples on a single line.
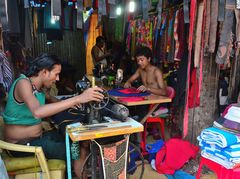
[(116, 92), (179, 174)]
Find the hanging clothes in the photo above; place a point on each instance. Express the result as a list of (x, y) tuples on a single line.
[(170, 38), (213, 26), (225, 38), (222, 53), (6, 73), (193, 98), (144, 33), (179, 34), (92, 35)]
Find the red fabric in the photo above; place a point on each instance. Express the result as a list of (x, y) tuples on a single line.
[(131, 99), (194, 97), (129, 91), (168, 159), (191, 30)]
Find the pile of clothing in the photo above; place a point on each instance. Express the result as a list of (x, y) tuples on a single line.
[(221, 143)]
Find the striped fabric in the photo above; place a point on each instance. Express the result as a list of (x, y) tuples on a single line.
[(6, 74)]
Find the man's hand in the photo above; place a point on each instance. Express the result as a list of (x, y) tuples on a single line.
[(91, 94), (142, 88), (127, 85)]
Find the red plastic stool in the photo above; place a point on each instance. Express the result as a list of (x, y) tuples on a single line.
[(221, 171), (158, 120), (161, 121)]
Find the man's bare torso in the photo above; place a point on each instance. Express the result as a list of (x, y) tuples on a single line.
[(149, 78)]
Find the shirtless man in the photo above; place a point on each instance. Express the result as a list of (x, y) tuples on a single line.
[(150, 75), (26, 107)]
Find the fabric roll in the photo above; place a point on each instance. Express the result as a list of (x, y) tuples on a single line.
[(219, 137), (225, 163)]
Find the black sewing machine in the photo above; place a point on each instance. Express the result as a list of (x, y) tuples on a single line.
[(99, 112)]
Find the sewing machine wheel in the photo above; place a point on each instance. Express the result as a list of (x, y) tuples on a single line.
[(103, 103)]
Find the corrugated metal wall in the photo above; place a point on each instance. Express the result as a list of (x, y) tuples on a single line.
[(70, 49)]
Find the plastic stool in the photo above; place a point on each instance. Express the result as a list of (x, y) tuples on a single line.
[(221, 171), (161, 122)]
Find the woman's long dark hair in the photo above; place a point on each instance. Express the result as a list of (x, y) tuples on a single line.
[(43, 61)]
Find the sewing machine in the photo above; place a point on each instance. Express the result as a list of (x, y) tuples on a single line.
[(95, 110)]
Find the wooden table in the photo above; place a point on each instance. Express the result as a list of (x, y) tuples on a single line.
[(151, 99), (79, 132)]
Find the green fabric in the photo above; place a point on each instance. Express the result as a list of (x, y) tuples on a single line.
[(19, 113)]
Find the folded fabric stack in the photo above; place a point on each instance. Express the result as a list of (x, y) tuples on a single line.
[(220, 146), (230, 119)]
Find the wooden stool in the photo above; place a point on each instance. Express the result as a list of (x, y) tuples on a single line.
[(221, 171)]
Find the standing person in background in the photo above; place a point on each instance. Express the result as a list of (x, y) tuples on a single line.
[(26, 107), (150, 75), (99, 52)]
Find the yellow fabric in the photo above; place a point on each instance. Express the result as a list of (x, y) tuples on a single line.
[(30, 165), (13, 164), (93, 33)]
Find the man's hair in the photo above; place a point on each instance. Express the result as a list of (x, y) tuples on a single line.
[(144, 51), (100, 39), (43, 61)]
